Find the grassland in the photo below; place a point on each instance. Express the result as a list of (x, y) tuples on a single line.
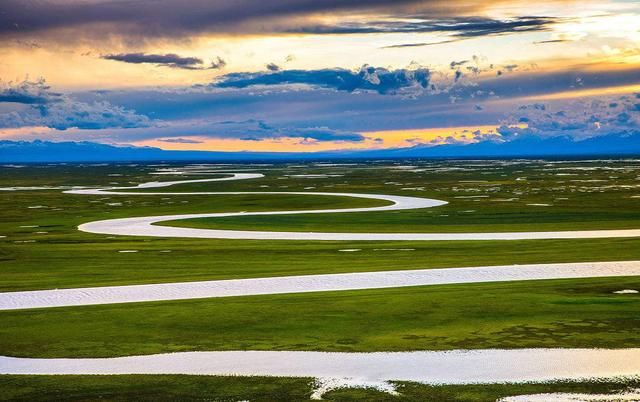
[(43, 250), (560, 313), (47, 265), (483, 197), (41, 236), (261, 389)]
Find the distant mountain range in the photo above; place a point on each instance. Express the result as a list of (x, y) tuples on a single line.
[(530, 146)]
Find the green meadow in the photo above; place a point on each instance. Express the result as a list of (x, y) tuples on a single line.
[(528, 314), (262, 389), (42, 249)]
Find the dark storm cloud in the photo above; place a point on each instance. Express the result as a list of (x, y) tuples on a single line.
[(166, 17), (367, 78), (168, 60), (139, 19)]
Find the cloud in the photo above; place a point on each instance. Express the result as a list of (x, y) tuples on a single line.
[(180, 140), (273, 67), (455, 29), (200, 112), (218, 63), (460, 27), (194, 111), (197, 131), (368, 78), (258, 130), (486, 81), (29, 93), (551, 41), (330, 109), (168, 18), (168, 60), (42, 107), (66, 20), (578, 119), (455, 64), (419, 44)]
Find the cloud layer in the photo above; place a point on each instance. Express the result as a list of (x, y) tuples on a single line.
[(337, 105), (174, 19), (168, 60), (460, 27), (37, 105), (248, 130), (368, 78), (578, 119), (167, 17)]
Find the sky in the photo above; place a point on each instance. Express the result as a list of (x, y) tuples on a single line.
[(317, 75)]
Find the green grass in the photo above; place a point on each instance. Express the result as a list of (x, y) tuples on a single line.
[(412, 392), (153, 388), (262, 389), (559, 313), (447, 219), (478, 200), (64, 257), (562, 313), (62, 262)]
